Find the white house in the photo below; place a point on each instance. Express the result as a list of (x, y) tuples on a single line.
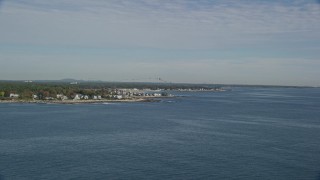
[(117, 96), (12, 95), (76, 97), (49, 98), (34, 96), (62, 97), (156, 94)]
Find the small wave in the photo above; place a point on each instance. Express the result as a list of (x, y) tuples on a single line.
[(107, 103), (170, 101)]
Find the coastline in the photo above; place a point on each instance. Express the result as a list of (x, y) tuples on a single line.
[(91, 101)]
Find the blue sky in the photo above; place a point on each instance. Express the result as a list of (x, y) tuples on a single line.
[(203, 41)]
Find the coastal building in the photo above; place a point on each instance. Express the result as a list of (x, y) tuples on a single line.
[(117, 96), (13, 95), (62, 97), (34, 96), (76, 97)]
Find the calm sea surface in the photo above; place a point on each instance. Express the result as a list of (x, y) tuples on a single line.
[(245, 133)]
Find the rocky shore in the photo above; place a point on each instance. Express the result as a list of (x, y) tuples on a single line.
[(140, 99)]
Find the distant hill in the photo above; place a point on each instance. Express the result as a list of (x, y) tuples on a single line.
[(70, 80)]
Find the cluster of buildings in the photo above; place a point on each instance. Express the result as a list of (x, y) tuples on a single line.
[(85, 97), (92, 94), (201, 89), (127, 93), (113, 94)]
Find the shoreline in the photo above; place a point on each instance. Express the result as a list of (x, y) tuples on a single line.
[(91, 101)]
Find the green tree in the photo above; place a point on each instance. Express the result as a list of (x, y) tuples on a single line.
[(46, 94), (40, 95), (1, 93), (26, 94), (53, 93), (6, 93)]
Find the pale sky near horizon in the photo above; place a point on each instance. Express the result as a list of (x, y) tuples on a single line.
[(272, 42)]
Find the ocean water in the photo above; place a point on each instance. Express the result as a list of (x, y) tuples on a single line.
[(245, 133)]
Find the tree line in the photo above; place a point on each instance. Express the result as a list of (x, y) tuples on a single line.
[(42, 90)]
